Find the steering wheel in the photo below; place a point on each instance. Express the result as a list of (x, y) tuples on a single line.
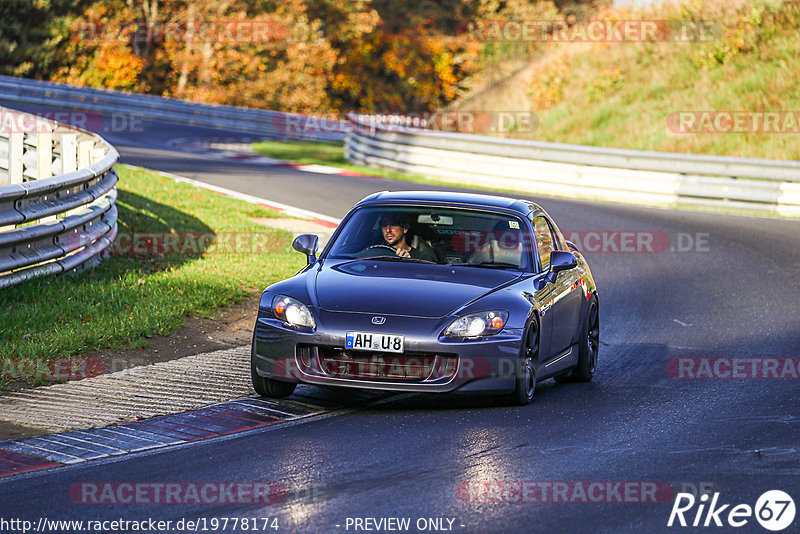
[(394, 250)]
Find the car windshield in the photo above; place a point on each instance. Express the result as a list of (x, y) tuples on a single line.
[(465, 237)]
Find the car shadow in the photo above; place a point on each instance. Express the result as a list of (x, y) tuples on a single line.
[(417, 402)]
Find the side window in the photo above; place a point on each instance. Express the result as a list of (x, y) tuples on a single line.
[(544, 241), (559, 242)]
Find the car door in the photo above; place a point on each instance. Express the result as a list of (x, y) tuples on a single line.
[(570, 285), (562, 295)]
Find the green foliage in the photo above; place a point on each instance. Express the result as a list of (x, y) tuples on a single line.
[(31, 34), (623, 94), (548, 82), (606, 81), (322, 56)]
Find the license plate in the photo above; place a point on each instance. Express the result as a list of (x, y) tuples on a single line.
[(373, 342)]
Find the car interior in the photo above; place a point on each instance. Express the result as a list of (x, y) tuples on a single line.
[(454, 236)]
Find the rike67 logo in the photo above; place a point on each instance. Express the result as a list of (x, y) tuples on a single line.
[(774, 510)]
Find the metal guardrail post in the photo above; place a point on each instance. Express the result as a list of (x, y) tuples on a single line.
[(84, 152), (44, 152), (96, 155), (15, 149), (69, 153)]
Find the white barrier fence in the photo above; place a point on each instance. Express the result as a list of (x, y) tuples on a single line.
[(57, 197), (654, 178), (38, 148)]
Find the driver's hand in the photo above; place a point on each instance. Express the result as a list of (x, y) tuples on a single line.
[(403, 253)]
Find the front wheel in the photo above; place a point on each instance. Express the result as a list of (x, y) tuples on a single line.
[(526, 370), (588, 346), (267, 387)]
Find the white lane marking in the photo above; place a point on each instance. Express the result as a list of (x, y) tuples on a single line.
[(681, 323), (319, 169), (285, 208), (230, 149)]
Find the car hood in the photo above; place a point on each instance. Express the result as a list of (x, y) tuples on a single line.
[(397, 288)]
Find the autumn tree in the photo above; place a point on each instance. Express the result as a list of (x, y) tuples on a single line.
[(318, 56), (31, 33)]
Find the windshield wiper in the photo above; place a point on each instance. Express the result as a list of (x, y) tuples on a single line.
[(397, 258), (488, 265)]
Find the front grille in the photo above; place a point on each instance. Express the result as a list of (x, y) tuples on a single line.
[(335, 362)]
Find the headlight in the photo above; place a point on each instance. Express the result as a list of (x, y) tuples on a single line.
[(292, 311), (477, 324)]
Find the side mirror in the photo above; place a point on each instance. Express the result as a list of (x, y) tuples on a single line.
[(560, 260), (307, 244)]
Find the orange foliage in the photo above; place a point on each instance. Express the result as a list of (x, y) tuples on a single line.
[(411, 70), (100, 55), (325, 57)]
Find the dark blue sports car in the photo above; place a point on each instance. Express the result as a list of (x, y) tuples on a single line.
[(432, 292)]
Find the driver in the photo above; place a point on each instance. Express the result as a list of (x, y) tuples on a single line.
[(394, 231)]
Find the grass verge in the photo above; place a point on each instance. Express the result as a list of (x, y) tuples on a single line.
[(633, 94), (217, 256)]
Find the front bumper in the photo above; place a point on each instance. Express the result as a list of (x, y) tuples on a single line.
[(429, 364)]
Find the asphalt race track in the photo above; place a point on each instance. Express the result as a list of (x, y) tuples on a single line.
[(715, 299)]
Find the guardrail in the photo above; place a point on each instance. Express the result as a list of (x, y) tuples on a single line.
[(656, 178), (247, 120), (57, 198)]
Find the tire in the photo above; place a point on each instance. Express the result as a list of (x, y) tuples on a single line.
[(267, 387), (588, 345), (526, 372)]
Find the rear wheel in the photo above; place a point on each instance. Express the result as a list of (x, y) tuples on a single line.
[(588, 348), (267, 387), (526, 370)]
